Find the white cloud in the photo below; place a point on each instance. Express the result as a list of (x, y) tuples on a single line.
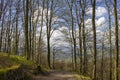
[(63, 28), (88, 23), (99, 11), (99, 32), (57, 34), (100, 21), (89, 10), (38, 15)]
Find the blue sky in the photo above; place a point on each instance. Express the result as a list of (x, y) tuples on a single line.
[(57, 38)]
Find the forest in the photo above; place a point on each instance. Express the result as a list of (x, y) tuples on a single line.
[(77, 39)]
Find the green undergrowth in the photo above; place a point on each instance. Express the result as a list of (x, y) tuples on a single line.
[(17, 64), (12, 60), (4, 70)]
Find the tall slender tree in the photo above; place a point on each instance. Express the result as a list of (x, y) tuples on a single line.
[(116, 41), (93, 2), (110, 41), (79, 22), (41, 29), (70, 4), (3, 12), (26, 30), (83, 6), (16, 27), (49, 17)]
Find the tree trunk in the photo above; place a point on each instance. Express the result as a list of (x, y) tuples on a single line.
[(40, 37), (73, 34), (26, 30), (116, 41), (110, 42), (102, 58), (94, 37), (2, 31), (49, 26), (84, 45), (80, 44)]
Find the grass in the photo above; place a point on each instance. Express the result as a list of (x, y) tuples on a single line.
[(8, 61), (15, 62), (4, 70)]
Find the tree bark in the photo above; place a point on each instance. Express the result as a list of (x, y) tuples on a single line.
[(26, 30), (94, 39), (102, 60), (48, 25), (116, 41)]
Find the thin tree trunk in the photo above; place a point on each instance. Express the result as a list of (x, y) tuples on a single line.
[(53, 58), (49, 26), (94, 37), (102, 58), (84, 45), (110, 42), (16, 35), (1, 34), (110, 45), (40, 37), (73, 34), (80, 38), (26, 30), (80, 44), (116, 41)]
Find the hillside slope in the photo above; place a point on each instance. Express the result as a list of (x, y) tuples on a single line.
[(15, 67)]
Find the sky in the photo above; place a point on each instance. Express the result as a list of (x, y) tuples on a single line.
[(58, 38)]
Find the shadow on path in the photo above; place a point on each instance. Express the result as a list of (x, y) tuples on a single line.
[(56, 75)]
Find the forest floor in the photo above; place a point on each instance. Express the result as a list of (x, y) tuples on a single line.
[(19, 65), (57, 75)]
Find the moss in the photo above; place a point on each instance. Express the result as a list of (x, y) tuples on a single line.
[(21, 60), (8, 61), (4, 70), (14, 73), (11, 64)]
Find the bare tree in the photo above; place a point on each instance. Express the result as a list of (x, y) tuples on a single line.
[(102, 58), (93, 2), (3, 12), (110, 42), (116, 41), (26, 30), (79, 22), (40, 37), (83, 6), (49, 26), (70, 4), (16, 28)]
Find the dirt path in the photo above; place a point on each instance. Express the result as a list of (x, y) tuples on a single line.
[(56, 75)]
